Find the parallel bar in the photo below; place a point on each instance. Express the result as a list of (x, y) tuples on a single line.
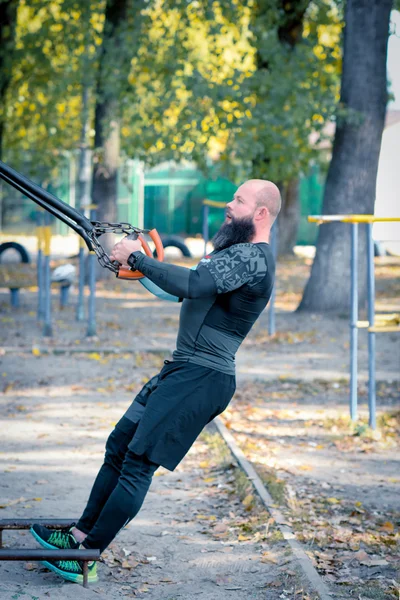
[(214, 203), (42, 554), (353, 320), (351, 219), (371, 332), (385, 329), (20, 524)]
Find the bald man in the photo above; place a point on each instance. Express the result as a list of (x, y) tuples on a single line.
[(221, 300)]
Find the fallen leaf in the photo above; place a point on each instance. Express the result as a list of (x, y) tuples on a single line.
[(13, 502), (267, 557), (204, 464), (248, 500), (374, 562)]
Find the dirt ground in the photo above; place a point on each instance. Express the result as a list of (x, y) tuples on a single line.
[(202, 532)]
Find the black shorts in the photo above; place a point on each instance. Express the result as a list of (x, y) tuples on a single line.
[(173, 408)]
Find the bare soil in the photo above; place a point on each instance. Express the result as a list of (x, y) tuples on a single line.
[(201, 532)]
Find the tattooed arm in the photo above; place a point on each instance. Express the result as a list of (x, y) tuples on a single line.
[(223, 272)]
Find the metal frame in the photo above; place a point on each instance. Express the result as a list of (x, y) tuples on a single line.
[(85, 556), (355, 324)]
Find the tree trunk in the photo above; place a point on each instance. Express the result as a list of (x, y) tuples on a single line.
[(351, 180), (107, 120), (289, 217), (289, 33), (8, 22)]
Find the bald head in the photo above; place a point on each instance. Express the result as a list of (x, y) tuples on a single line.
[(266, 194), (254, 206)]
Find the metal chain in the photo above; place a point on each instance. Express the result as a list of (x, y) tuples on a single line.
[(99, 228), (103, 227)]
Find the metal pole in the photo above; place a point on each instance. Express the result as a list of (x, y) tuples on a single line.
[(39, 234), (80, 309), (271, 312), (85, 574), (205, 226), (14, 297), (64, 294), (353, 320), (47, 328), (371, 334), (91, 330)]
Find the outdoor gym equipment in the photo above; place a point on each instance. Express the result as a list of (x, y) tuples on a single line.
[(274, 246), (85, 555), (8, 277), (385, 323), (89, 230)]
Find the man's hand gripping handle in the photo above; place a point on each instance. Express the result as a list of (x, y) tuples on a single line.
[(124, 272)]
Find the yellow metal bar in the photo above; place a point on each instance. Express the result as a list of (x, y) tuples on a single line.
[(350, 219), (384, 329), (46, 240), (82, 243), (381, 320), (214, 203)]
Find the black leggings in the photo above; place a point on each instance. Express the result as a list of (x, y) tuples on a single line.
[(119, 489)]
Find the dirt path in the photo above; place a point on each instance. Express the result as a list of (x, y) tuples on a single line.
[(195, 537), (338, 483)]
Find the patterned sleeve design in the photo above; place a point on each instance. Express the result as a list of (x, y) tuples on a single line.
[(236, 266)]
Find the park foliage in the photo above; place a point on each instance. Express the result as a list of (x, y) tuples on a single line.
[(196, 80)]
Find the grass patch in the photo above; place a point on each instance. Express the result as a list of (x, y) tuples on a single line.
[(275, 485)]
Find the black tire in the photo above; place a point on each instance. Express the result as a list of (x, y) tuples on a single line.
[(23, 252), (175, 242)]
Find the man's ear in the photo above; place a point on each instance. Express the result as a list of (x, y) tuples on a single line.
[(262, 213)]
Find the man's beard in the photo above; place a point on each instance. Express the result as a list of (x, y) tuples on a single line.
[(237, 231)]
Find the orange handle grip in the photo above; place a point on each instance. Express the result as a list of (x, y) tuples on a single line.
[(125, 273)]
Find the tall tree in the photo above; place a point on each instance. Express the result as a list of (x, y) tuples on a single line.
[(351, 180), (8, 23), (55, 41), (289, 29)]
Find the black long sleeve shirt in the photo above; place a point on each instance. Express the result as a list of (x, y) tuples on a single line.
[(222, 299)]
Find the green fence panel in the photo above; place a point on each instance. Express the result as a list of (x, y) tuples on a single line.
[(311, 191)]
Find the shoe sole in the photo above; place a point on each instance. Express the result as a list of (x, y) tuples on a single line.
[(75, 578)]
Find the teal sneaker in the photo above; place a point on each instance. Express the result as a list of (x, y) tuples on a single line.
[(72, 570), (54, 539)]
